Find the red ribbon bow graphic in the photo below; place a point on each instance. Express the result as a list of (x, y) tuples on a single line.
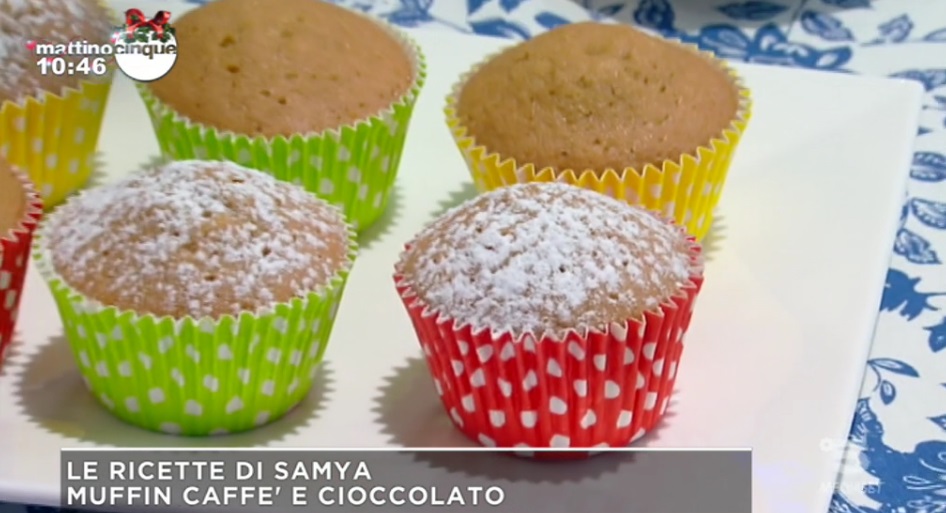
[(135, 19)]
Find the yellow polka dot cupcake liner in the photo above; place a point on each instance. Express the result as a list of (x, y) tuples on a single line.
[(353, 167), (686, 190), (53, 137), (197, 377)]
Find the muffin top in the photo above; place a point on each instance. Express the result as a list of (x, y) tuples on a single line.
[(282, 67), (44, 21), (197, 239), (596, 96), (545, 258), (12, 199)]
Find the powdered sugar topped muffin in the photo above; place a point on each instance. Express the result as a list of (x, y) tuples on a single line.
[(199, 239), (50, 122), (197, 296), (45, 21), (546, 257), (551, 315)]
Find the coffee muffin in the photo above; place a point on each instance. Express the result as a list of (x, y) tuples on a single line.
[(326, 96), (20, 212), (605, 107), (50, 121), (198, 297), (551, 315)]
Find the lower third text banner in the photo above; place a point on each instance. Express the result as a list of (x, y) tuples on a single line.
[(278, 481)]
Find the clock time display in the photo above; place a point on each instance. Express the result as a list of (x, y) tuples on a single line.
[(61, 66)]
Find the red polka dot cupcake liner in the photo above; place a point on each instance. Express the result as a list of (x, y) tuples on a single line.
[(14, 261), (595, 390)]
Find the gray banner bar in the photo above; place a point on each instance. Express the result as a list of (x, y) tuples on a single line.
[(409, 481)]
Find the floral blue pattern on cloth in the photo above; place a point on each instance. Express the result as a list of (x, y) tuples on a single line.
[(896, 452)]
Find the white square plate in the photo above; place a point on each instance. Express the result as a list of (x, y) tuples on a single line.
[(778, 342)]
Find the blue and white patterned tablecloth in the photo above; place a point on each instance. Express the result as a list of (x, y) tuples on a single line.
[(896, 455)]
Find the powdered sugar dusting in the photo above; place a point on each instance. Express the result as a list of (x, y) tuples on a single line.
[(197, 239), (53, 21), (543, 258)]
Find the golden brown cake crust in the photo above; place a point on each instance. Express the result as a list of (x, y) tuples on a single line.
[(282, 67), (54, 21), (545, 258), (596, 96), (197, 239), (12, 199)]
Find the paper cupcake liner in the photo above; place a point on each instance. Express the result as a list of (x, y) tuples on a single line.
[(583, 390), (54, 136), (14, 262), (686, 190), (197, 377), (353, 166)]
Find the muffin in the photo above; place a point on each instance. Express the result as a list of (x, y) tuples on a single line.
[(551, 315), (608, 108), (49, 122), (325, 96), (198, 297), (20, 211)]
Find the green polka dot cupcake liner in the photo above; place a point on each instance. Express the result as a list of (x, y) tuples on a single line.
[(353, 166), (197, 377)]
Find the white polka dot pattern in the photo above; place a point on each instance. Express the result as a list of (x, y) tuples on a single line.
[(353, 167), (197, 377), (200, 380), (14, 260), (686, 189), (602, 390), (55, 138)]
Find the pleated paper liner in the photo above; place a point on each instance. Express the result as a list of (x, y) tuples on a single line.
[(53, 137), (14, 261), (584, 390), (197, 377), (685, 190), (353, 167)]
